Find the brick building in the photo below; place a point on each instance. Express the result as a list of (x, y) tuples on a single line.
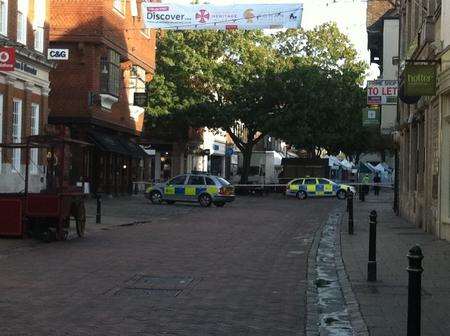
[(24, 91), (111, 57)]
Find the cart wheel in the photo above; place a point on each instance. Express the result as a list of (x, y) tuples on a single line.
[(80, 220)]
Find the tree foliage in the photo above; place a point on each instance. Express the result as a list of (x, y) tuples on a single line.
[(301, 86)]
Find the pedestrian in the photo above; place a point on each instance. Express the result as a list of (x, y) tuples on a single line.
[(365, 182), (376, 181)]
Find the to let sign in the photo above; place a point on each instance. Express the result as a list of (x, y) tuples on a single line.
[(382, 92), (371, 116), (7, 58)]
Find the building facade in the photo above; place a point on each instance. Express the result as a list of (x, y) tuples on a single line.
[(423, 123), (111, 57), (23, 91)]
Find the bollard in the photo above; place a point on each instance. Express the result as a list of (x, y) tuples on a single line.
[(98, 217), (348, 204), (372, 264), (415, 270), (350, 212)]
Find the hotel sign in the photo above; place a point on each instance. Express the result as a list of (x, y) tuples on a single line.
[(420, 80)]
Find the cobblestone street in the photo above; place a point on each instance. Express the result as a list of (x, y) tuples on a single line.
[(179, 270)]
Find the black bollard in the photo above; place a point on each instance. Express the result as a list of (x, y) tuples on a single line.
[(350, 212), (415, 270), (98, 217), (372, 264)]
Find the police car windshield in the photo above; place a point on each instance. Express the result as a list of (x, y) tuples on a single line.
[(223, 181)]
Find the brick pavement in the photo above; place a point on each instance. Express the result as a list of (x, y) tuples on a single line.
[(242, 269), (384, 304)]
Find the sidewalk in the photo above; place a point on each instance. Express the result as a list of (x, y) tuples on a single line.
[(384, 304)]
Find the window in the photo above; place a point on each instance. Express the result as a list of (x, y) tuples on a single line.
[(110, 73), (119, 5), (34, 152), (16, 132), (196, 180), (22, 13), (224, 182), (297, 182), (4, 17), (323, 181), (209, 181), (179, 180), (310, 181), (39, 22)]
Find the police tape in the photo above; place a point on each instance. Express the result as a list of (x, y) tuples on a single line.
[(381, 185)]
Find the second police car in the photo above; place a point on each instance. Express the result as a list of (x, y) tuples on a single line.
[(313, 187), (195, 187)]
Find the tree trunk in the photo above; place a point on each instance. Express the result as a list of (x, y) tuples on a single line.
[(246, 156)]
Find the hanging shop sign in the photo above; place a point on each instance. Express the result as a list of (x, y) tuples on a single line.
[(209, 16), (371, 116), (7, 58), (420, 80), (382, 92)]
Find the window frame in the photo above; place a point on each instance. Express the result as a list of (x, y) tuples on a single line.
[(16, 133), (306, 179), (38, 26), (120, 6), (22, 8), (110, 82), (34, 130), (4, 18)]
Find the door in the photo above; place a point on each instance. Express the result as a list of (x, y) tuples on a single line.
[(174, 189), (311, 186), (194, 186), (328, 188)]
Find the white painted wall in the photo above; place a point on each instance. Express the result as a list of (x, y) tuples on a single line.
[(445, 20), (390, 71)]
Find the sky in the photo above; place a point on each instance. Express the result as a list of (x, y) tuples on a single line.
[(350, 16)]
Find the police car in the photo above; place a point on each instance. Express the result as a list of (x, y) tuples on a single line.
[(312, 187), (203, 188)]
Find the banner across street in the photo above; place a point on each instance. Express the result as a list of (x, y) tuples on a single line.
[(209, 16)]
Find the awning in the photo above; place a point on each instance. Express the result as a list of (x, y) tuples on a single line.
[(131, 148), (115, 144)]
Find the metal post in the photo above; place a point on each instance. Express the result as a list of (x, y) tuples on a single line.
[(372, 264), (350, 213), (415, 270), (98, 217)]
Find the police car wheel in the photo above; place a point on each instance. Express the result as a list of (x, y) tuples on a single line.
[(205, 200), (156, 197), (341, 194), (301, 195)]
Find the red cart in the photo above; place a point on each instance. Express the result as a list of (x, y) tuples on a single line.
[(40, 198)]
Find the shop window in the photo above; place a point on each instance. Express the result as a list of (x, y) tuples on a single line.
[(4, 17), (110, 73)]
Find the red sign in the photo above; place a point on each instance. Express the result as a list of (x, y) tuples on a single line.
[(7, 58)]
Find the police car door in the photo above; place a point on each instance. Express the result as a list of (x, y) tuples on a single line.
[(311, 186), (174, 190), (194, 186), (324, 187)]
